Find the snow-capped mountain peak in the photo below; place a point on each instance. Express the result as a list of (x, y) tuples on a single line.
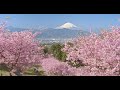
[(67, 25)]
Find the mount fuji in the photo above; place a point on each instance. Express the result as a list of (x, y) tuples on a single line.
[(65, 31), (67, 25)]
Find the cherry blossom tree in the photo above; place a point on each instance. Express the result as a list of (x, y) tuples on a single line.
[(100, 54), (54, 67), (19, 50)]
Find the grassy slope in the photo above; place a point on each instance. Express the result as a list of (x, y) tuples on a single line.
[(4, 73)]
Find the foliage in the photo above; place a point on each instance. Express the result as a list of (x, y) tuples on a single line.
[(4, 67), (57, 53), (46, 50)]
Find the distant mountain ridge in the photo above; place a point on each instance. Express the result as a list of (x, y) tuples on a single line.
[(61, 33), (51, 33)]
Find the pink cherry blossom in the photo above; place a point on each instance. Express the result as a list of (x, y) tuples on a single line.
[(99, 52), (19, 49)]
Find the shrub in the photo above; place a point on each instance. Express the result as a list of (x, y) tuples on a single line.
[(57, 52), (46, 50)]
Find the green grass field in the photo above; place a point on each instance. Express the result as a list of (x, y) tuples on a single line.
[(29, 72), (4, 73)]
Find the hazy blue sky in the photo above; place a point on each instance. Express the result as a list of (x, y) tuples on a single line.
[(54, 20)]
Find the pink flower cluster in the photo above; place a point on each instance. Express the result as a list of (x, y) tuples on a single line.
[(19, 49), (53, 67), (99, 53)]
